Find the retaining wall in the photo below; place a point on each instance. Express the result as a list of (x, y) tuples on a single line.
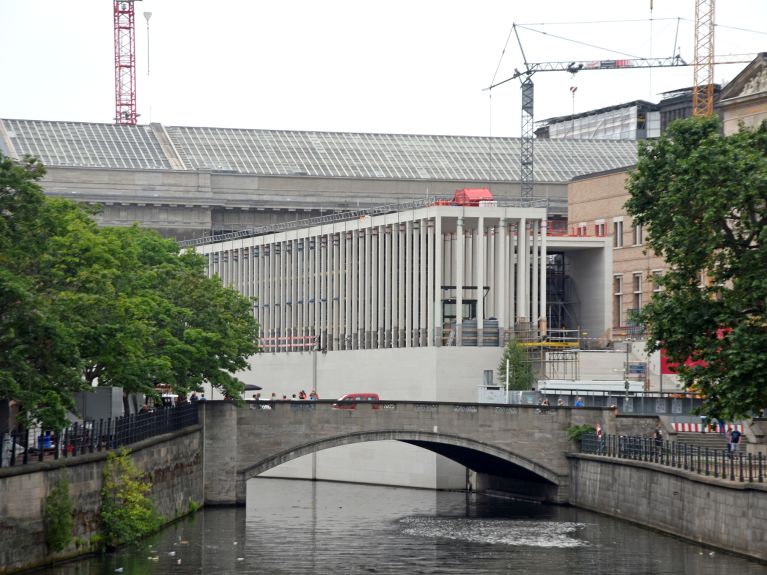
[(173, 462), (724, 514)]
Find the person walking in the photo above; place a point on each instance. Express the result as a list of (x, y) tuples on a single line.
[(734, 441)]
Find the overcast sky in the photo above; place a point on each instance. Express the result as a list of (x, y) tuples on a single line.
[(400, 66)]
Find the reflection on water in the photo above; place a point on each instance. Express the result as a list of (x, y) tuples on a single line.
[(292, 527)]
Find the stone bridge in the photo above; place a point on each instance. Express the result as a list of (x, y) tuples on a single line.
[(514, 448)]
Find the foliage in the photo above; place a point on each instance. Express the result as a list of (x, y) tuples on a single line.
[(703, 199), (39, 361), (521, 376), (82, 304), (58, 516), (575, 432), (127, 514)]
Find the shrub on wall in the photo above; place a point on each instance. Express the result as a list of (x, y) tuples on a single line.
[(127, 514), (57, 516), (575, 432)]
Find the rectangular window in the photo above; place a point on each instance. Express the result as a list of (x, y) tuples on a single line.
[(618, 234), (638, 235), (599, 229), (617, 300), (637, 285), (582, 230)]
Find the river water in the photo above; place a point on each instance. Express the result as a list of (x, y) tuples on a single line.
[(296, 527)]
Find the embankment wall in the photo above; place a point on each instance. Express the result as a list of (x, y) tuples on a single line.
[(172, 462), (726, 514)]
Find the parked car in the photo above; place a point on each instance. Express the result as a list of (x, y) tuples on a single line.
[(350, 400)]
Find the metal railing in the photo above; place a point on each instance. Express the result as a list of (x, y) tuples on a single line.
[(37, 444), (346, 215), (720, 463)]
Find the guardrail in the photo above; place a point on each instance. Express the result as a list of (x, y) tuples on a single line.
[(734, 466), (346, 215), (37, 444)]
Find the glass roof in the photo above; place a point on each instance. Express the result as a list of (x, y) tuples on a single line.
[(318, 154), (83, 144)]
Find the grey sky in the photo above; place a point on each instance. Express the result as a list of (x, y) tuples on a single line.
[(401, 66)]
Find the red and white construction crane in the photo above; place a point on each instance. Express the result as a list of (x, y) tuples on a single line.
[(125, 62)]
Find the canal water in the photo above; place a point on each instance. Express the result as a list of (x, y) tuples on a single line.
[(296, 527)]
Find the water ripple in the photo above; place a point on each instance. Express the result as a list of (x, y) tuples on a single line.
[(495, 531)]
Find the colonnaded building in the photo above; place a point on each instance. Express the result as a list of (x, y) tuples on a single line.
[(365, 277)]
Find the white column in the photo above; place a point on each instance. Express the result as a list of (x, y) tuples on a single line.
[(380, 322), (409, 266), (422, 284), (544, 259), (459, 269), (366, 297), (480, 278), (401, 294), (522, 275), (342, 295), (388, 286), (355, 289), (501, 276), (436, 338), (534, 227)]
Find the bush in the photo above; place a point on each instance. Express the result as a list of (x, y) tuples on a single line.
[(57, 516), (575, 432), (127, 514)]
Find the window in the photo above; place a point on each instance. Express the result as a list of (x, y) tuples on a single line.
[(637, 285), (618, 234), (599, 228), (638, 235), (582, 230), (617, 300)]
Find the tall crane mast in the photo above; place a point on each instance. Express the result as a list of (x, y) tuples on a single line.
[(125, 62), (703, 92)]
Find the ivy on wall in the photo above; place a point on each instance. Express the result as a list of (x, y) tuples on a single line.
[(58, 516)]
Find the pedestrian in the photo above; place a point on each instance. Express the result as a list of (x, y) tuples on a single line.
[(302, 394), (194, 397), (579, 402), (561, 402), (274, 396), (722, 425), (732, 445), (657, 436), (313, 396)]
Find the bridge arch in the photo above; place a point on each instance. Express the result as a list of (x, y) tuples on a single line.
[(475, 455)]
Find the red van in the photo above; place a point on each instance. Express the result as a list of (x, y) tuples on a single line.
[(350, 400)]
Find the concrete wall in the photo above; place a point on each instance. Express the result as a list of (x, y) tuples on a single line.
[(173, 462), (728, 515), (590, 275)]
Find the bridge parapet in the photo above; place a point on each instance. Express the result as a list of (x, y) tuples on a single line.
[(241, 443)]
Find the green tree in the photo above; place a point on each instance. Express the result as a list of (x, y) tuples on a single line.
[(39, 361), (82, 304), (521, 376), (703, 199)]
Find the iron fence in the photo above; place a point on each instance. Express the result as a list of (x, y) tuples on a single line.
[(37, 444), (735, 466)]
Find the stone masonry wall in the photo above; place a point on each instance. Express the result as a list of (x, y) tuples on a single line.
[(173, 462), (725, 514)]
